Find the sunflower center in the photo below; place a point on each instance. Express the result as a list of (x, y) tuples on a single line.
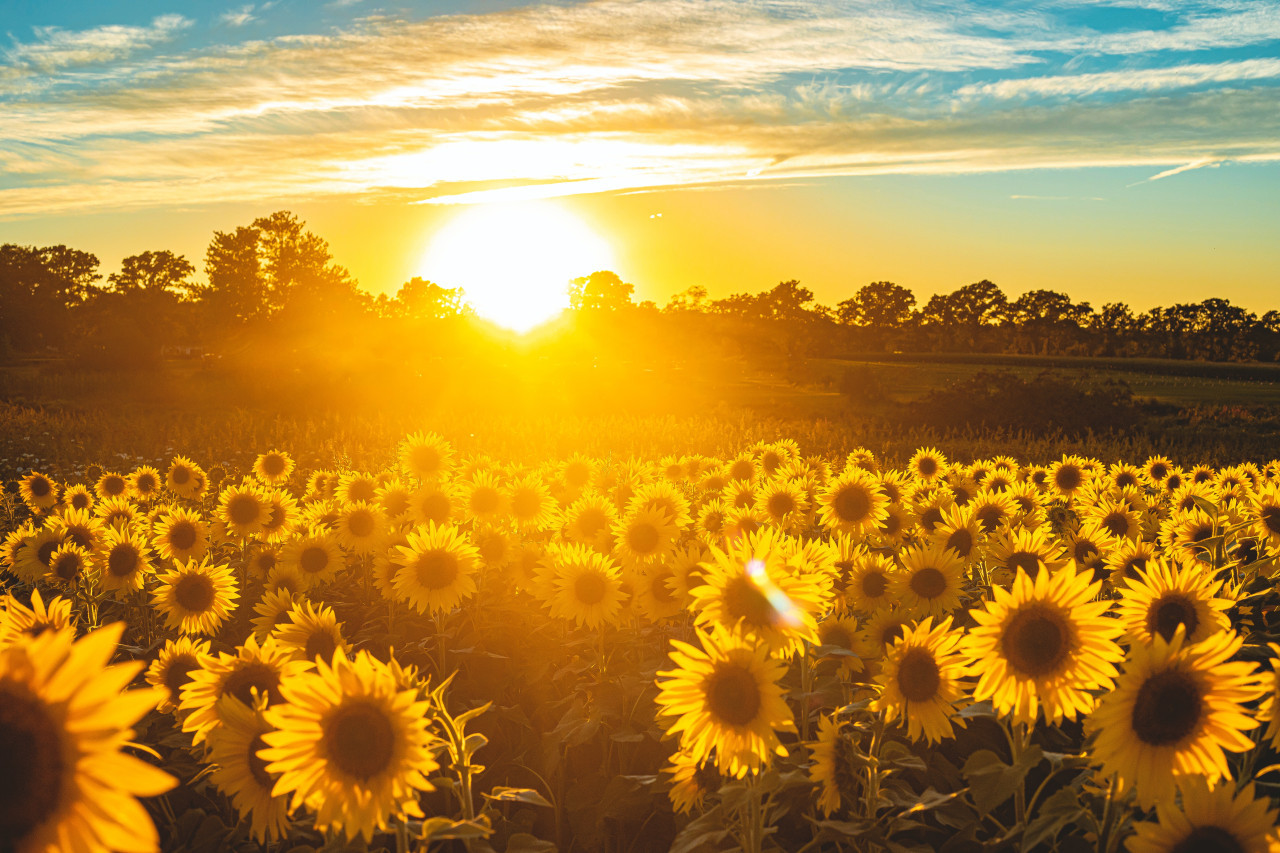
[(194, 592), (81, 535), (253, 675), (1035, 642), (927, 466), (591, 521), (40, 487), (313, 559), (1116, 523), (180, 475), (145, 484), (874, 584), (851, 504), (1159, 470), (928, 583), (80, 500), (780, 504), (114, 485), (892, 524), (31, 763), (989, 517), (1068, 478), (744, 601), (436, 507), (526, 503), (360, 740), (436, 569), (835, 634), (361, 490), (243, 509), (590, 588), (1170, 612), (178, 673), (890, 634), (658, 587), (484, 500), (273, 465), (919, 676), (1270, 517), (1208, 839), (182, 535), (744, 499), (258, 767), (320, 643), (67, 566), (1026, 561), (1167, 709), (45, 552), (1085, 551), (643, 538), (426, 460), (1135, 565), (361, 524), (742, 470), (123, 560), (1200, 533), (961, 541), (733, 695), (931, 518)]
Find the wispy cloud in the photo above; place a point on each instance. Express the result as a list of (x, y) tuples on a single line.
[(238, 17), (1202, 163), (551, 99)]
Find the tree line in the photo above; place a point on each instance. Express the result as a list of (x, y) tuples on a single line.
[(275, 277)]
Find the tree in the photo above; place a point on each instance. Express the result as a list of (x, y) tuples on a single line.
[(693, 298), (1048, 319), (38, 289), (603, 290), (878, 305), (419, 299), (154, 272)]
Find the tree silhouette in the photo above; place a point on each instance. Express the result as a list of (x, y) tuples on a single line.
[(603, 290), (154, 272)]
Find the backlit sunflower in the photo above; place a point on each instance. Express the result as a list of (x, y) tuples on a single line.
[(530, 504), (664, 496), (243, 509), (1043, 646), (840, 632), (881, 630), (314, 555), (853, 503), (921, 676), (115, 512), (644, 537), (18, 621), (350, 746), (711, 521), (196, 597), (692, 781), (38, 491), (360, 527), (484, 500), (1116, 517), (739, 494), (435, 503), (64, 716), (870, 583), (241, 775), (436, 568), (355, 486), (1068, 476), (395, 499), (1090, 546), (653, 593), (1127, 559), (181, 534), (111, 485), (589, 520), (584, 586), (785, 502), (748, 591), (726, 702), (185, 478), (960, 533), (927, 464), (839, 775), (36, 554), (929, 582), (255, 669), (425, 457), (145, 483), (125, 560), (577, 472), (78, 497), (273, 468), (1209, 819), (282, 516), (1183, 532), (1265, 514), (68, 565), (273, 611), (1164, 597), (173, 666), (1176, 710), (311, 632), (1026, 551), (79, 527)]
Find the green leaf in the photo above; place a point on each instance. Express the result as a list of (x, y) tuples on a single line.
[(501, 794), (1060, 810), (439, 828), (991, 781)]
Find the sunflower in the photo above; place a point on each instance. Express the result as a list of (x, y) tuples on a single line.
[(241, 775), (282, 515), (662, 496), (125, 559), (1265, 514), (311, 632), (434, 502), (1176, 710), (712, 519), (744, 521), (314, 555), (196, 597), (835, 767), (960, 533), (1068, 476), (589, 520), (992, 510), (1090, 546), (882, 629), (350, 745), (870, 583), (921, 680), (256, 669), (173, 666), (436, 569), (785, 502), (1157, 469), (585, 586), (395, 499), (79, 527), (739, 494), (425, 457), (531, 505), (273, 468), (840, 632), (645, 537), (687, 571), (1269, 711), (1192, 495), (747, 590), (111, 485), (185, 478), (243, 509), (1210, 819), (182, 534), (11, 548), (692, 780), (929, 582), (927, 464), (36, 554), (1026, 551), (68, 564), (288, 577), (115, 512), (1183, 532), (262, 558), (1164, 597), (653, 593), (1118, 518), (78, 497), (742, 468), (577, 472), (483, 498), (64, 716), (18, 620), (360, 526), (38, 491), (1042, 646), (1127, 559), (145, 483), (273, 611), (930, 504), (853, 503), (726, 701)]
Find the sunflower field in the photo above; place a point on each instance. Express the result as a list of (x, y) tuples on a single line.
[(765, 650)]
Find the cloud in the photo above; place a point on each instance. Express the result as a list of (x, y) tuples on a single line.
[(238, 17), (1203, 162), (55, 48), (1138, 79)]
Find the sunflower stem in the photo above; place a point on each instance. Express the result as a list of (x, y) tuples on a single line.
[(806, 688), (1108, 815)]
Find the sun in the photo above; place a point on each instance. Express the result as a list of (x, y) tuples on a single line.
[(514, 261)]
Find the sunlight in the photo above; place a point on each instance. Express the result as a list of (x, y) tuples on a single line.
[(514, 261)]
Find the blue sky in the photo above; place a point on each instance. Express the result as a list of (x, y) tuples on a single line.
[(1062, 111)]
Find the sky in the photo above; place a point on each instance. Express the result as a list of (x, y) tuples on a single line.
[(1124, 150)]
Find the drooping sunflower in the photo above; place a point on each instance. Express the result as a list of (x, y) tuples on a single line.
[(929, 583), (185, 478), (196, 597), (125, 560), (243, 509), (436, 568), (240, 774), (273, 468), (311, 632), (1164, 597), (748, 591), (314, 555), (584, 586), (254, 670), (1176, 710), (425, 457), (645, 537), (1043, 646), (853, 503), (38, 491), (64, 717), (726, 701), (692, 780), (350, 745), (1209, 819), (922, 678), (181, 534), (834, 768), (173, 666)]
